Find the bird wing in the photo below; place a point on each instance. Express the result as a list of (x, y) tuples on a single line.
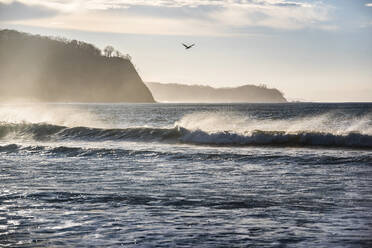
[(192, 45), (185, 45)]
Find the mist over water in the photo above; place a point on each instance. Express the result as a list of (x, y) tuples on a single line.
[(229, 121), (213, 127), (216, 119), (54, 114), (145, 175)]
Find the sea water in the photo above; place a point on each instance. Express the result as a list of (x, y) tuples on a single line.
[(186, 175)]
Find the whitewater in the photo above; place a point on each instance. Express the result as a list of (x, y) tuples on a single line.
[(185, 175)]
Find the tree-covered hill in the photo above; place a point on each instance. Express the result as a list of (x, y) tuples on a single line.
[(40, 68), (200, 93)]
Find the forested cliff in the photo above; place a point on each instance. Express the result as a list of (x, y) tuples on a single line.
[(40, 68), (199, 93)]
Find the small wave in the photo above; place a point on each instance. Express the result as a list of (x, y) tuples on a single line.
[(138, 134), (86, 198), (218, 157), (183, 135), (60, 197), (66, 151), (9, 148)]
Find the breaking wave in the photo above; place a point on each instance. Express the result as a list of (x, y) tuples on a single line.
[(277, 138), (181, 134)]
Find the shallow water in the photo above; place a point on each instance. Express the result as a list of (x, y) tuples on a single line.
[(173, 175)]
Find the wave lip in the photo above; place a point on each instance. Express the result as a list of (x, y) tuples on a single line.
[(43, 131), (276, 138), (137, 133)]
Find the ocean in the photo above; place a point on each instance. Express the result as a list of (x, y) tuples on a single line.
[(186, 175)]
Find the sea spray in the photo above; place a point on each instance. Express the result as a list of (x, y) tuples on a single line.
[(63, 115), (199, 128), (241, 124)]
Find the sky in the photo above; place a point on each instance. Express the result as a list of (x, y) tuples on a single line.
[(311, 50)]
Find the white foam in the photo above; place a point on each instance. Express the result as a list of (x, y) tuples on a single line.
[(62, 115), (212, 122)]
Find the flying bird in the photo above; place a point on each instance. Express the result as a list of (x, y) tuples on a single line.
[(187, 46)]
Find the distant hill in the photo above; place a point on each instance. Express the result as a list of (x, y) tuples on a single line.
[(199, 93), (34, 67)]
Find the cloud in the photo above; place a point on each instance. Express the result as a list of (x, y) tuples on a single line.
[(366, 24), (185, 16), (234, 13), (274, 15), (107, 22), (117, 4), (166, 12), (369, 4), (19, 11)]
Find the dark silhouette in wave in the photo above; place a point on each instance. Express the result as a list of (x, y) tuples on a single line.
[(34, 67)]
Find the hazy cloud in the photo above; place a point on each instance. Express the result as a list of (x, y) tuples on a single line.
[(20, 11), (218, 16), (200, 12), (112, 4), (274, 15), (369, 4), (234, 13)]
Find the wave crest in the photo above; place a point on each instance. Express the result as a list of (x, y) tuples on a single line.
[(276, 138), (44, 131)]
